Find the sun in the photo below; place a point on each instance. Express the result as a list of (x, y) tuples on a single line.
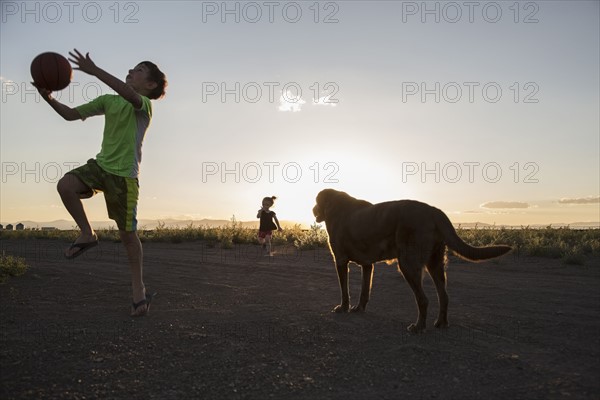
[(353, 175)]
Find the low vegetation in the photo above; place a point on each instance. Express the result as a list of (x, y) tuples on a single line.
[(11, 266), (573, 246)]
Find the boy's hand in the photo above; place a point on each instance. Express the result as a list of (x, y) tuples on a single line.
[(45, 93), (84, 64), (68, 113)]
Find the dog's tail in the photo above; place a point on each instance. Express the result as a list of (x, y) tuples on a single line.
[(464, 250)]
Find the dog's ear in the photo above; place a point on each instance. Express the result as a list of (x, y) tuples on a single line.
[(319, 210), (326, 203)]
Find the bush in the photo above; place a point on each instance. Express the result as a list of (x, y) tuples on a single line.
[(573, 246), (11, 266), (570, 245), (314, 238)]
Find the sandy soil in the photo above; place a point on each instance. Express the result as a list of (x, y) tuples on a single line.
[(234, 324)]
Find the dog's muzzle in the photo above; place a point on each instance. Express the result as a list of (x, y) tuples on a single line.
[(317, 213)]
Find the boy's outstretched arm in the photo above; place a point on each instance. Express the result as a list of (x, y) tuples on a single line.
[(68, 113), (85, 64)]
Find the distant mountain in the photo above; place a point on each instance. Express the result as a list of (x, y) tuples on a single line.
[(595, 225)]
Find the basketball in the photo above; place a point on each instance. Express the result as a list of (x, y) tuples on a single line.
[(51, 71)]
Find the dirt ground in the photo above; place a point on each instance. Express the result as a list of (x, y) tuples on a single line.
[(232, 324)]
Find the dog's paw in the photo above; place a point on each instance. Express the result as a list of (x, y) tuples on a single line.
[(413, 328), (358, 308), (441, 324), (340, 309)]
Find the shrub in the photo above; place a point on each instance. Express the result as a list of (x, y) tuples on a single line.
[(573, 246), (11, 266), (314, 238)]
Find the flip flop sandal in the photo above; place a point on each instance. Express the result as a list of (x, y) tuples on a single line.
[(81, 248), (140, 303)]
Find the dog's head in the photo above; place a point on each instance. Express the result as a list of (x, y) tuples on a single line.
[(331, 202), (324, 204)]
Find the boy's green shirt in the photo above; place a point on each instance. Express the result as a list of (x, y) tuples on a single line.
[(124, 130)]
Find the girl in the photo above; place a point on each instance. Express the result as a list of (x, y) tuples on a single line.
[(268, 223)]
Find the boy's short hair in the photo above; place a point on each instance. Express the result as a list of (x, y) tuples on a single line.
[(156, 75)]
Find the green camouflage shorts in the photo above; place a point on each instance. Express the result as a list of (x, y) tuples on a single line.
[(120, 193)]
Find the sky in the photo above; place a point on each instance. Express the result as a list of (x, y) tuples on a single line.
[(486, 110)]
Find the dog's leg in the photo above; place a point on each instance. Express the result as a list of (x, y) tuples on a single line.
[(365, 291), (436, 268), (413, 273), (342, 273)]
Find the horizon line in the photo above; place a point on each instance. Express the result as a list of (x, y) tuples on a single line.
[(28, 224)]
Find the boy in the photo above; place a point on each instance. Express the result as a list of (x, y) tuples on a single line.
[(116, 168)]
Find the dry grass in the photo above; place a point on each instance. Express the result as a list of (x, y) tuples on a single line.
[(11, 266), (573, 246)]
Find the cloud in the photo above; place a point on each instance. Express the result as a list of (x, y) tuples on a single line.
[(289, 102), (580, 200), (6, 83), (324, 101), (505, 204)]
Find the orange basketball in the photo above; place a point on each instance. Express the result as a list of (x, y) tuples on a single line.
[(51, 71)]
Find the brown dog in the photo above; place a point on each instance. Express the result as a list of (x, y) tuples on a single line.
[(414, 233)]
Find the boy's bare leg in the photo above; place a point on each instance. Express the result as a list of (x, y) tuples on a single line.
[(72, 190), (135, 255)]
